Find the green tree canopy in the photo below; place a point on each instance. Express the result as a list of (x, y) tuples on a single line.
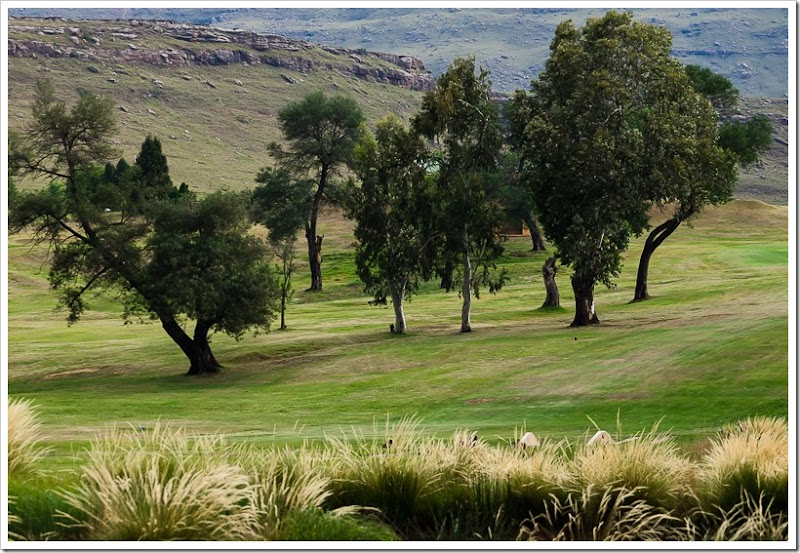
[(717, 88), (321, 132), (613, 119), (392, 210), (177, 259), (460, 116)]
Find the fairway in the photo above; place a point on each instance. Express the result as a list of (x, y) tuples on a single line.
[(710, 347)]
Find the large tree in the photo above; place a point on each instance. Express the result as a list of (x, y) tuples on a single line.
[(461, 117), (704, 162), (321, 132), (391, 208), (169, 258), (609, 114)]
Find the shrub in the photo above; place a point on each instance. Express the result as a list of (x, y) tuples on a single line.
[(750, 457), (648, 463), (597, 514), (318, 525), (161, 485), (24, 435), (35, 513)]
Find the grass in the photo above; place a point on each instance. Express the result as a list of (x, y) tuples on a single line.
[(710, 348), (166, 484)]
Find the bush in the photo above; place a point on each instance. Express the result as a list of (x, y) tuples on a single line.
[(318, 525), (647, 464), (752, 458), (35, 513), (24, 435), (161, 485)]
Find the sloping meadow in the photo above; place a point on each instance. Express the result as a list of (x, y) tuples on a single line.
[(399, 483)]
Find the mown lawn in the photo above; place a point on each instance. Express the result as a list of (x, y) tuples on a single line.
[(710, 347)]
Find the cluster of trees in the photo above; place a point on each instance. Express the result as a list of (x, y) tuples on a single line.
[(611, 128)]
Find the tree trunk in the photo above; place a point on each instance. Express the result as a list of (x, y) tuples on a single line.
[(654, 240), (536, 233), (283, 311), (397, 303), (584, 302), (315, 241), (549, 271), (197, 350), (466, 289)]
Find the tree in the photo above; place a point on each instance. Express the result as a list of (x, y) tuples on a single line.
[(391, 208), (718, 89), (515, 195), (549, 271), (280, 203), (461, 116), (169, 259), (321, 132), (607, 118), (707, 171)]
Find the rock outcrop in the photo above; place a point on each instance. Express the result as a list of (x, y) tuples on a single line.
[(108, 42)]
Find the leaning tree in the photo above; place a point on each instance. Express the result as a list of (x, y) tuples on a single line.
[(164, 255), (608, 116), (321, 132), (461, 117), (703, 163)]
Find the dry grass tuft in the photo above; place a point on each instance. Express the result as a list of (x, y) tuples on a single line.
[(649, 463), (749, 457), (162, 485), (611, 514), (24, 435)]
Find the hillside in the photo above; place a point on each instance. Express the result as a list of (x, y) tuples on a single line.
[(212, 95), (749, 46)]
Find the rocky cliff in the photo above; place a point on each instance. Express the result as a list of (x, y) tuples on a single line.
[(165, 43)]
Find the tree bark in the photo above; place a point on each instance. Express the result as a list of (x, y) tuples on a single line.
[(397, 304), (584, 302), (536, 232), (315, 241), (654, 240), (549, 271), (466, 289), (197, 349)]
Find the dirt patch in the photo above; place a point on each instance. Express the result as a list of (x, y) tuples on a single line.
[(72, 372), (477, 401)]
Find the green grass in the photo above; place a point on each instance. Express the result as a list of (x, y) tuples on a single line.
[(709, 348)]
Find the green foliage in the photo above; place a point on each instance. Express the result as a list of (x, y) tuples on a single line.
[(321, 131), (318, 525), (715, 87), (40, 508), (163, 253), (204, 264), (282, 202), (747, 139), (460, 115), (614, 125), (391, 209)]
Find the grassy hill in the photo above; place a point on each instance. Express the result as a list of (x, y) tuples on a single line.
[(217, 137), (709, 348), (749, 46)]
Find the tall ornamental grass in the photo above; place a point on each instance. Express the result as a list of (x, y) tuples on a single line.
[(24, 436), (751, 458)]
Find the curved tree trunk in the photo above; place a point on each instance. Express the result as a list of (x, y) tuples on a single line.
[(466, 290), (549, 271), (584, 302), (399, 326), (197, 350), (654, 240), (536, 232), (315, 241)]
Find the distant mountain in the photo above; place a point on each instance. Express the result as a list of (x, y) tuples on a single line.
[(749, 46)]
